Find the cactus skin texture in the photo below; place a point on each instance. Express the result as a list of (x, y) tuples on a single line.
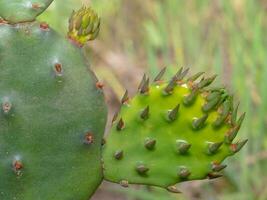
[(172, 132), (52, 117), (22, 10)]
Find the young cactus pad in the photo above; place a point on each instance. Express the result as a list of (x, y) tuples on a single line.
[(172, 132), (52, 117)]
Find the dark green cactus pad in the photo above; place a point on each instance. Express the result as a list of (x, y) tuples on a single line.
[(171, 132), (15, 11), (52, 117)]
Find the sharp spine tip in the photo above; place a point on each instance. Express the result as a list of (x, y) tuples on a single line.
[(211, 104), (120, 124), (234, 114), (213, 147), (238, 146), (145, 113), (172, 114), (142, 82), (115, 117), (231, 134), (160, 75), (118, 154), (190, 98), (195, 76), (145, 87), (199, 122), (142, 169), (183, 146), (225, 111), (217, 167), (241, 119), (125, 97), (150, 143), (181, 74), (206, 82), (184, 172)]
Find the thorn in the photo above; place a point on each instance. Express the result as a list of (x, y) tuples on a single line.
[(120, 124), (124, 183), (160, 75), (88, 138), (231, 134), (125, 98), (189, 99), (150, 143), (241, 119), (184, 172), (172, 114), (181, 74), (142, 169), (142, 82), (145, 113), (195, 76), (183, 146), (169, 88), (199, 122), (173, 189), (213, 147), (145, 87), (234, 114), (211, 104), (115, 117), (213, 175), (238, 146), (206, 82), (225, 111), (118, 154), (217, 167)]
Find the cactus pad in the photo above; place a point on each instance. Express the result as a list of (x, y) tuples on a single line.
[(15, 11), (172, 132), (52, 117)]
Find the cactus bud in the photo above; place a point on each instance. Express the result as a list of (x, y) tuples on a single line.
[(84, 25)]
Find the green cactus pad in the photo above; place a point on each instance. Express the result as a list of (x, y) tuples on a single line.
[(171, 132), (15, 11), (52, 117)]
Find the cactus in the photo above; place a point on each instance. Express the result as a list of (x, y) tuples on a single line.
[(53, 117), (172, 132)]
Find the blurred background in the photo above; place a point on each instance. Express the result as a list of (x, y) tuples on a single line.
[(216, 36)]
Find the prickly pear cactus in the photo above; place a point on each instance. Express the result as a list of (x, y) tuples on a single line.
[(52, 113), (172, 132)]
